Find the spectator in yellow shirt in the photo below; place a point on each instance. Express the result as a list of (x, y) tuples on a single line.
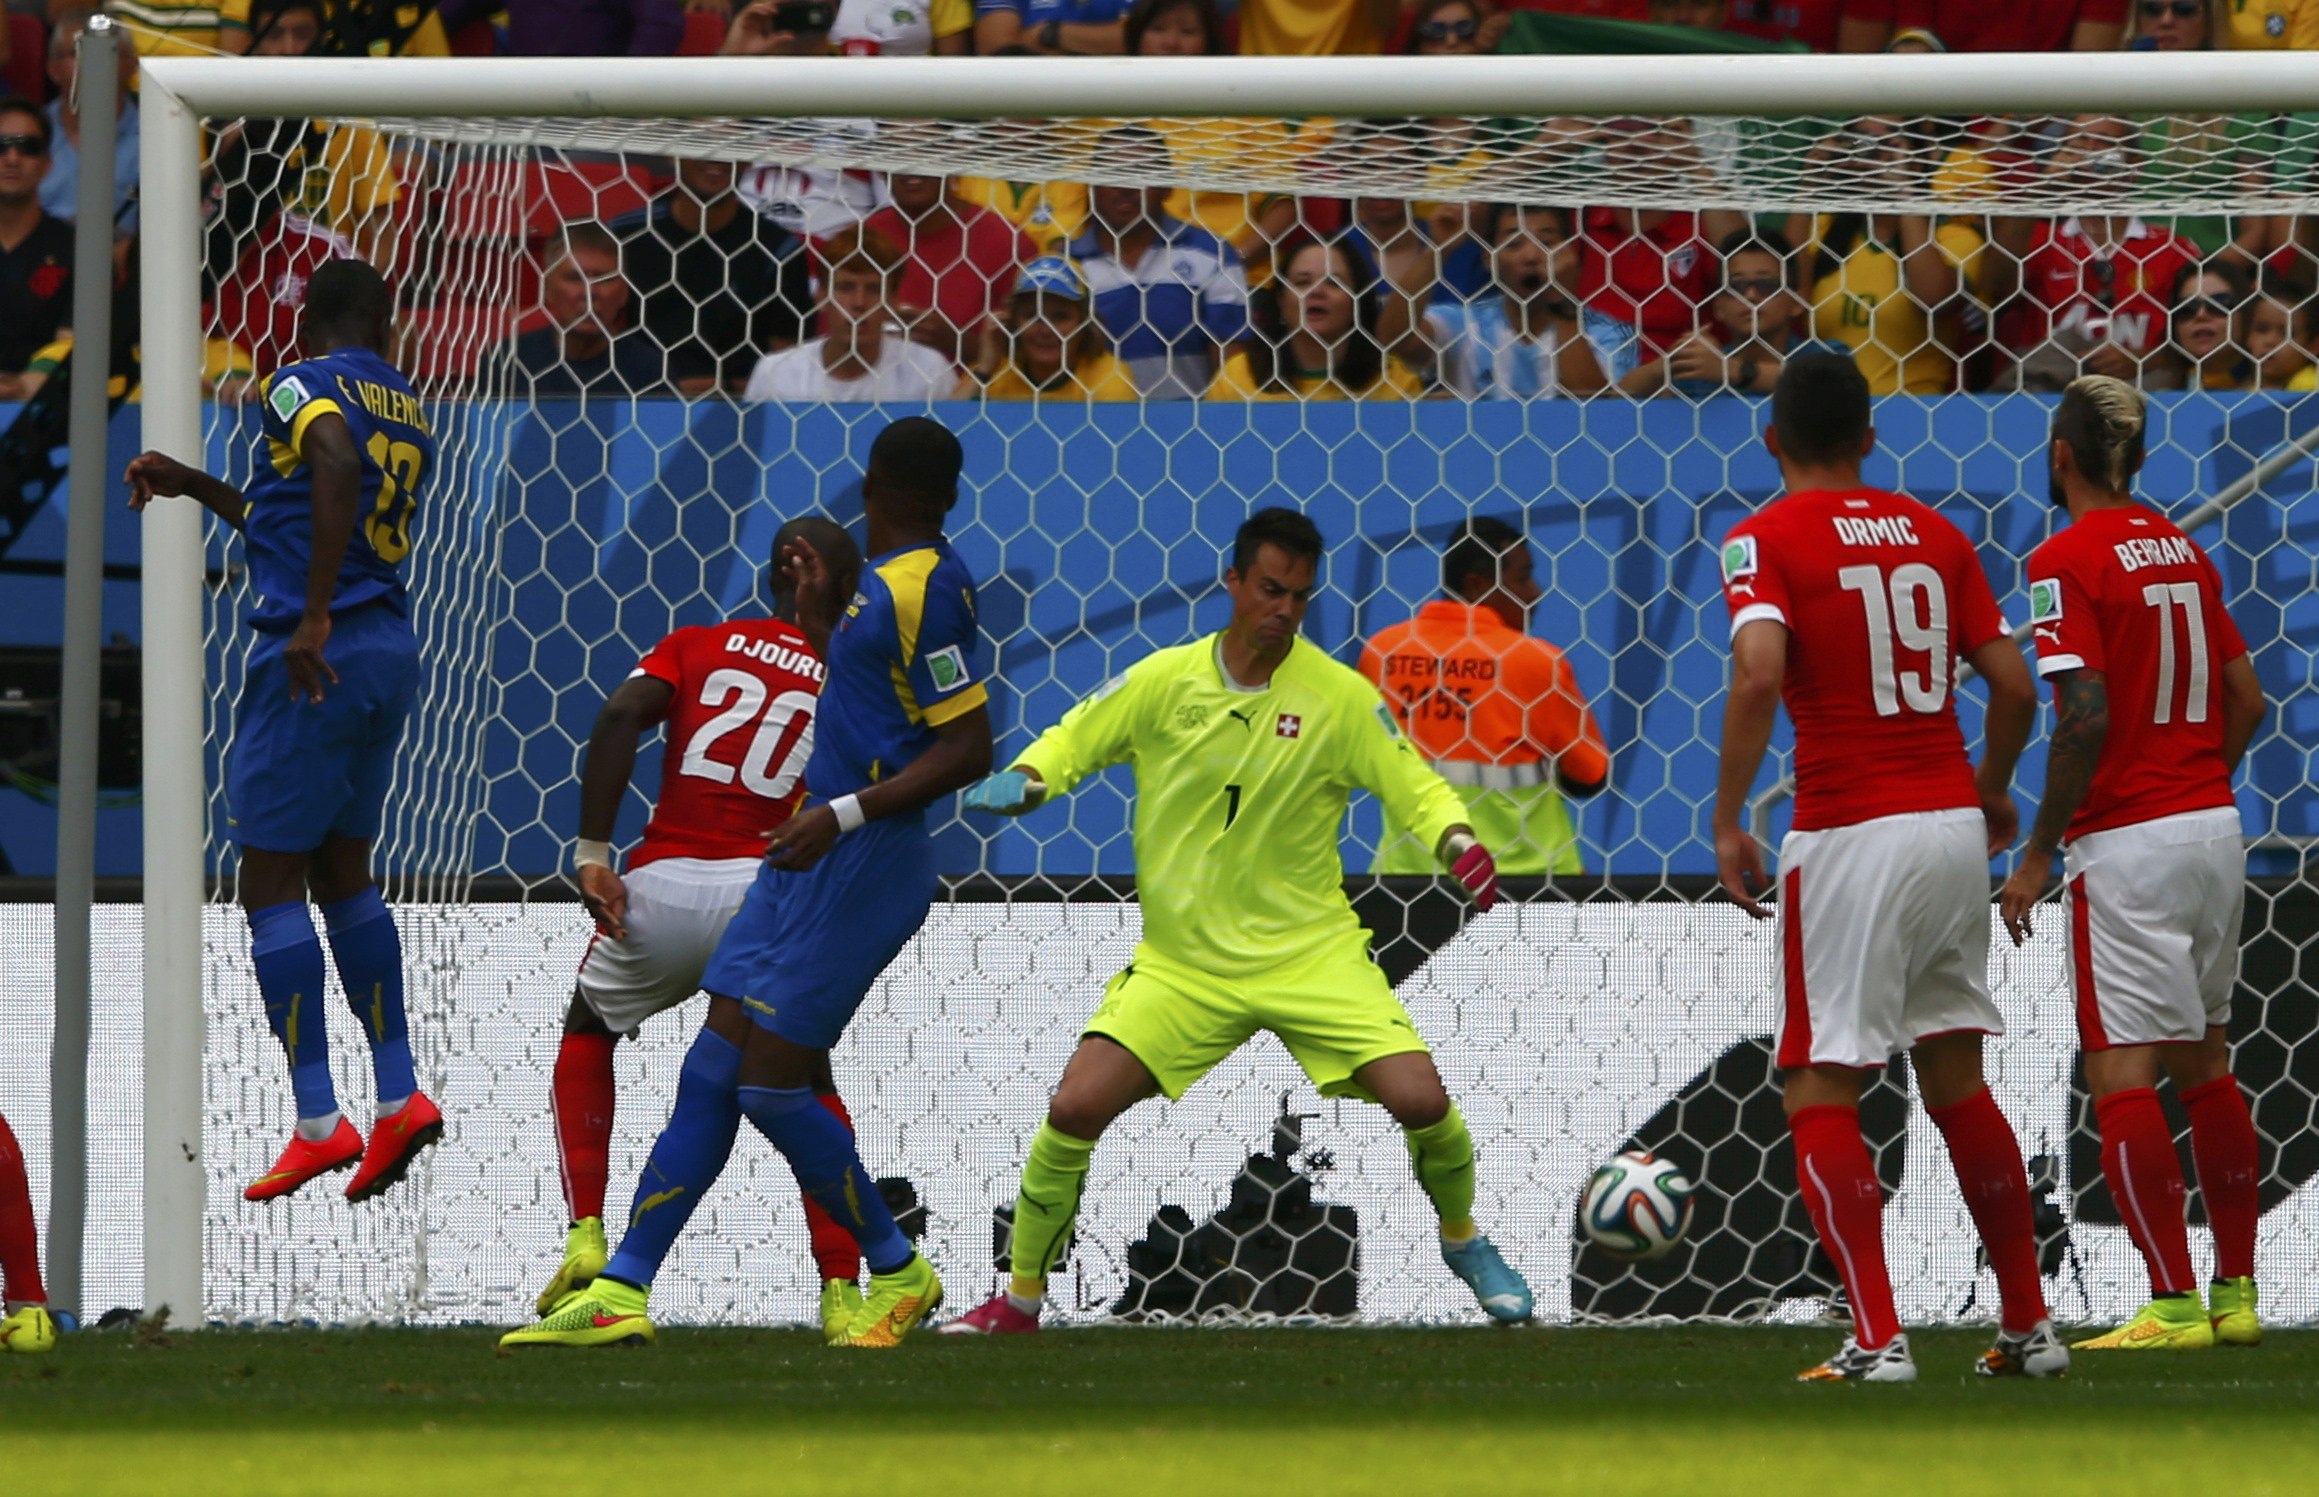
[(158, 28), (1313, 336), (1316, 28), (1892, 287), (1052, 349)]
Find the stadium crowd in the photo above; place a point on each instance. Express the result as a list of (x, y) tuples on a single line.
[(698, 278)]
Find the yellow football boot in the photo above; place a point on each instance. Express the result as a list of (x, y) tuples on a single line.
[(2174, 1323), (841, 1301), (2230, 1309), (896, 1302), (30, 1331), (584, 1257), (603, 1314)]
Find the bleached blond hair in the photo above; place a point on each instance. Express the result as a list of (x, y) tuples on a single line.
[(2104, 420)]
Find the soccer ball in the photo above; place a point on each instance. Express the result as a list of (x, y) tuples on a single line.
[(1637, 1207)]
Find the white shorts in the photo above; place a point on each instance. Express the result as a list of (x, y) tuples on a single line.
[(677, 911), (2154, 911), (1884, 937)]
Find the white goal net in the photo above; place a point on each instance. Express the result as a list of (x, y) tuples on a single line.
[(647, 341)]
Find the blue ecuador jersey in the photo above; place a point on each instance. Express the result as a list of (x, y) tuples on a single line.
[(906, 657), (396, 448)]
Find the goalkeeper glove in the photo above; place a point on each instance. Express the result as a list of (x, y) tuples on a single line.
[(1010, 792), (1470, 864)]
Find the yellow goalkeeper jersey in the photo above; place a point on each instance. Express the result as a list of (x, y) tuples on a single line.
[(1240, 795)]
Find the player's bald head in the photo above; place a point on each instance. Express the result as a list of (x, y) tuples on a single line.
[(2104, 423), (828, 539), (348, 304), (914, 468), (1819, 409)]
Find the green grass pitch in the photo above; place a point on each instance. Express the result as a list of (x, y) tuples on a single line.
[(1118, 1412)]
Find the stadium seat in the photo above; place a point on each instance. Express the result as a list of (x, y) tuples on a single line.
[(27, 72), (704, 32)]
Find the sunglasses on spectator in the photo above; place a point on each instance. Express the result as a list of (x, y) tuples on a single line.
[(1449, 31), (1755, 286), (2204, 304), (2183, 9), (23, 145)]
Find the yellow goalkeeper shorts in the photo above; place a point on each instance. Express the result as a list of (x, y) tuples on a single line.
[(1335, 1014)]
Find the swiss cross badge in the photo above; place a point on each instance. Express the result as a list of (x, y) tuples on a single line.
[(1287, 725)]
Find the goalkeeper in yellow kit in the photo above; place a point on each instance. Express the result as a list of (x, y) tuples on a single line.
[(1245, 745)]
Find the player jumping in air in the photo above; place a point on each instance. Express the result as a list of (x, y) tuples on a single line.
[(1854, 605), (738, 699), (331, 678), (1244, 746), (2155, 701), (28, 1327), (903, 721)]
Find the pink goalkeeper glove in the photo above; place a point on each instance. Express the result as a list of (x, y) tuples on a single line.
[(1472, 866)]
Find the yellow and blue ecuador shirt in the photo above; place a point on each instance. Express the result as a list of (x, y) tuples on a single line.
[(906, 658), (397, 450), (1239, 794)]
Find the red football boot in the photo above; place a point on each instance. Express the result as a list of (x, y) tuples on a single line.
[(394, 1143), (304, 1159), (996, 1316)]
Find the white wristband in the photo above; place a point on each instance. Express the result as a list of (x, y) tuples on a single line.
[(587, 854), (848, 811)]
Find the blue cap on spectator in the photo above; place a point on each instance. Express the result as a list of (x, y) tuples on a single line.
[(1051, 275)]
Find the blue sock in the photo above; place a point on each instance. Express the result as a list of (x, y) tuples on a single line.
[(369, 954), (821, 1151), (289, 963), (686, 1159)]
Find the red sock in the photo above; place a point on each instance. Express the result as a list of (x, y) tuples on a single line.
[(1987, 1158), (583, 1093), (2222, 1139), (1838, 1181), (2139, 1162), (834, 1250), (19, 1236)]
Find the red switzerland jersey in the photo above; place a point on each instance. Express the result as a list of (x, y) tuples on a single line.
[(2124, 592), (1881, 597), (2007, 25), (1657, 278), (2119, 296), (740, 729)]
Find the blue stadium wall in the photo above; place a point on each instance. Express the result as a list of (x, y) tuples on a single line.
[(1098, 532)]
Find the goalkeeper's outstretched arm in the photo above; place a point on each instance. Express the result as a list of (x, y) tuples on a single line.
[(1095, 734)]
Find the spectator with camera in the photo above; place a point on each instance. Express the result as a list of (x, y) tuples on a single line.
[(1752, 326)]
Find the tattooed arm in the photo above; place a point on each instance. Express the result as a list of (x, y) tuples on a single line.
[(2081, 701)]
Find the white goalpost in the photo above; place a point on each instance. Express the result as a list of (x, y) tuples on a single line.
[(1580, 1005)]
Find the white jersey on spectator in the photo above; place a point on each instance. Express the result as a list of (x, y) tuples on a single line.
[(904, 371), (1483, 357), (810, 201)]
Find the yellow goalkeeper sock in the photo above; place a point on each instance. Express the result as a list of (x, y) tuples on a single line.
[(1053, 1176), (1443, 1156)]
